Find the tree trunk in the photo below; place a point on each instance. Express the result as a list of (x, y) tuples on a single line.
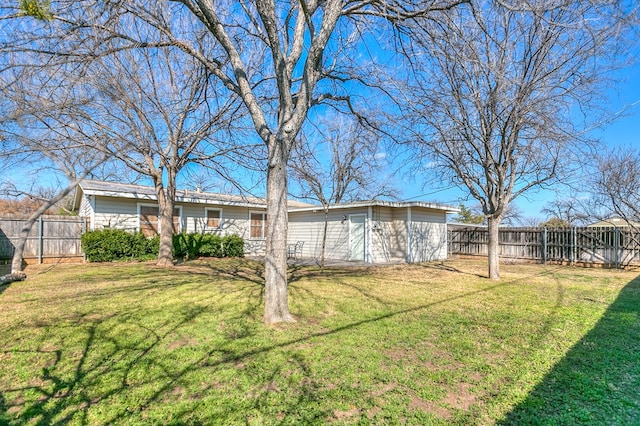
[(166, 204), (16, 261), (494, 248), (324, 236), (276, 300)]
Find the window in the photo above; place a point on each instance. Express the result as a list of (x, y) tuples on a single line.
[(150, 221), (257, 224), (213, 219)]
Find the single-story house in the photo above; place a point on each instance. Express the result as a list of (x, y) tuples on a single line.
[(373, 231), (367, 231), (614, 222)]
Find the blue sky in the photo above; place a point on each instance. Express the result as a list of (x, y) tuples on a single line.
[(623, 130), (623, 108), (623, 103)]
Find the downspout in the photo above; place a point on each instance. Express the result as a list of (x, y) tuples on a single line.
[(409, 236), (92, 203), (369, 254)]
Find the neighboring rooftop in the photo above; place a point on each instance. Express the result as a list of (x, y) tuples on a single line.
[(614, 222)]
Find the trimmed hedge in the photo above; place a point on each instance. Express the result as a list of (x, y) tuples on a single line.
[(107, 245), (192, 246)]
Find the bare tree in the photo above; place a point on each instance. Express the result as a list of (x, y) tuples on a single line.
[(617, 183), (273, 55), (159, 112), (497, 89), (564, 212), (338, 162), (155, 111), (36, 135)]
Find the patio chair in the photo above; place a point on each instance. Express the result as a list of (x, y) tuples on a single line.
[(294, 251)]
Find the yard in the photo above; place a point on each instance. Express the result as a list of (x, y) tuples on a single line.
[(411, 344)]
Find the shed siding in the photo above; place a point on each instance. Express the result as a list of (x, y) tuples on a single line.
[(308, 227), (384, 241), (428, 235), (399, 234), (85, 207)]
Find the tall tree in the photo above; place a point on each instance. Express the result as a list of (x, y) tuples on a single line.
[(154, 111), (280, 58), (617, 184), (337, 162), (497, 90), (159, 111), (36, 135), (467, 215), (564, 212)]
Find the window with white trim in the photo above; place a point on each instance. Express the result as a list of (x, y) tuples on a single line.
[(213, 219), (150, 219), (257, 224)]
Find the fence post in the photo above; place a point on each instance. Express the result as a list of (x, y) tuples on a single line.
[(544, 245), (572, 245), (616, 246), (84, 231), (40, 240)]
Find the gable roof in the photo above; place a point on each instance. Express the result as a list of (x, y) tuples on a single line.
[(380, 203), (141, 192), (614, 222)]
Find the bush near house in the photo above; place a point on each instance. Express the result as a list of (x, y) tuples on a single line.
[(193, 245), (107, 245)]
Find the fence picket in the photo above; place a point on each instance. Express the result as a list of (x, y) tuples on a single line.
[(607, 246), (51, 238)]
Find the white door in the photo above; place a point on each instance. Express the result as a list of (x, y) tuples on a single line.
[(357, 237)]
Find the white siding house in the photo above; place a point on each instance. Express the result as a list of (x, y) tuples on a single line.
[(367, 231), (373, 231), (123, 206)]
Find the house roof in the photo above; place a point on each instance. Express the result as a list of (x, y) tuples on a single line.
[(614, 222), (141, 192), (380, 203)]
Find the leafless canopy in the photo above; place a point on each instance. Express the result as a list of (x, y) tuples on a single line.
[(279, 58), (500, 91), (617, 183)]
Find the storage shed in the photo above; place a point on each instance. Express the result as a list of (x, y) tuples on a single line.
[(373, 231)]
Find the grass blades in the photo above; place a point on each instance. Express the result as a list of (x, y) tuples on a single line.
[(410, 344)]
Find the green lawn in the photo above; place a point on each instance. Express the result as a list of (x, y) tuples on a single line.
[(419, 344)]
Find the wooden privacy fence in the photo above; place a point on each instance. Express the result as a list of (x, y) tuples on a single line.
[(52, 239), (606, 246)]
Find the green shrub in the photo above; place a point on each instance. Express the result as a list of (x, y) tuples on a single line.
[(233, 246), (107, 245), (211, 246), (192, 246)]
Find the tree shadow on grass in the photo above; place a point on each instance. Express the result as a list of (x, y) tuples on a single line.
[(127, 369), (124, 367), (598, 381)]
